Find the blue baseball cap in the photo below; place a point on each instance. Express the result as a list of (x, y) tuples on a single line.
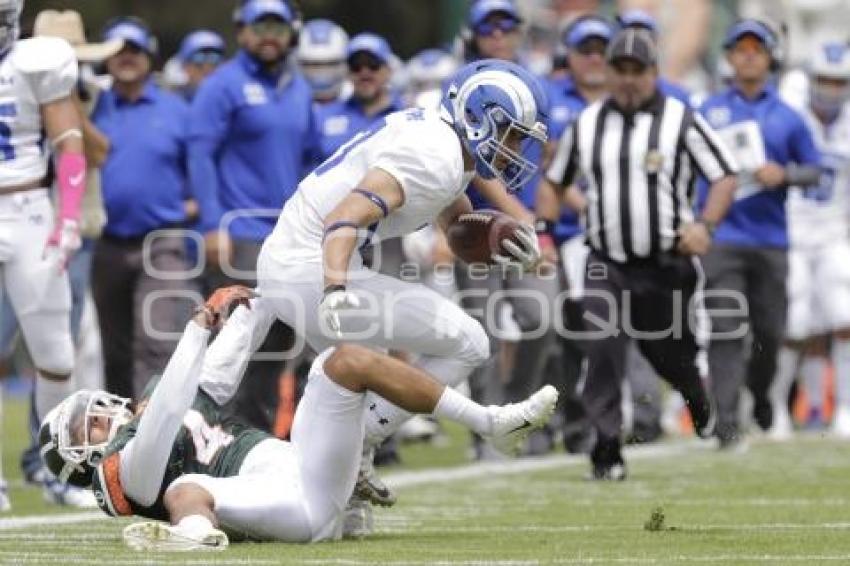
[(253, 10), (133, 33), (750, 27), (372, 44), (637, 19), (586, 29), (199, 41), (482, 9)]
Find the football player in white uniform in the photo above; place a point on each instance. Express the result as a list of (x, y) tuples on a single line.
[(409, 170), (178, 459), (819, 257), (37, 77)]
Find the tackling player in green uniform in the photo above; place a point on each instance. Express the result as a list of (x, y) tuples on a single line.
[(177, 460)]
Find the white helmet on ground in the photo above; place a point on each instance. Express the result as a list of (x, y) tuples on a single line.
[(64, 437)]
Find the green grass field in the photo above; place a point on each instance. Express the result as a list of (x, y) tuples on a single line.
[(685, 503)]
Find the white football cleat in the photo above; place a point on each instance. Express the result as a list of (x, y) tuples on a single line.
[(161, 537), (369, 486), (513, 423), (781, 430), (358, 519), (841, 422)]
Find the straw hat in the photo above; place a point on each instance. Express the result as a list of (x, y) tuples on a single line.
[(69, 26)]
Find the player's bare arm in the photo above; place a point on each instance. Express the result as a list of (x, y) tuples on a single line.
[(96, 144), (374, 198)]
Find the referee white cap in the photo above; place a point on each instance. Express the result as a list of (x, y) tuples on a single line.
[(635, 44)]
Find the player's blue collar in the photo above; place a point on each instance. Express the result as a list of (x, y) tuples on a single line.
[(256, 69), (150, 92), (767, 91), (396, 104)]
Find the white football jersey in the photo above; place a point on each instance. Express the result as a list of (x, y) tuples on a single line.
[(420, 150), (36, 71), (818, 215)]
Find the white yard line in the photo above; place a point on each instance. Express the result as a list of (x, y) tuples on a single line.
[(55, 519)]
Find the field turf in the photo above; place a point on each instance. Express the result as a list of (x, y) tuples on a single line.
[(685, 503)]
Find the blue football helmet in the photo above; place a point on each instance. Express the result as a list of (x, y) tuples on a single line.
[(498, 110)]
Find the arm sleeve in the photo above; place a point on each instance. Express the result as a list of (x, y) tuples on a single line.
[(562, 171), (51, 68), (803, 148), (144, 459), (208, 123), (230, 352), (707, 151)]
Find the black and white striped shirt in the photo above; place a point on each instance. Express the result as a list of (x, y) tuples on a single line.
[(640, 170)]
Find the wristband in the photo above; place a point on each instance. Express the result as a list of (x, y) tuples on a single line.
[(543, 226), (802, 175), (333, 289)]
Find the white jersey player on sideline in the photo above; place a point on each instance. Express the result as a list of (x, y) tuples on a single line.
[(819, 257), (409, 170), (37, 78), (181, 459)]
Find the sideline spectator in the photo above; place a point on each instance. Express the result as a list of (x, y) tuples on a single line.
[(143, 180), (775, 149), (251, 135)]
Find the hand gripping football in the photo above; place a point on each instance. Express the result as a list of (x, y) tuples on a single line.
[(476, 236)]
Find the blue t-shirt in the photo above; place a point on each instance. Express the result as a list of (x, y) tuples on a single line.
[(144, 176), (673, 90), (565, 104), (252, 138), (757, 217), (338, 122)]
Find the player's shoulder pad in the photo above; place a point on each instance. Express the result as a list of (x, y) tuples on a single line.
[(40, 54)]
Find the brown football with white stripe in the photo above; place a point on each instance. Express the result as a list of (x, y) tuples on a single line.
[(475, 236)]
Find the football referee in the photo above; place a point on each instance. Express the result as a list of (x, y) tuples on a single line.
[(640, 153)]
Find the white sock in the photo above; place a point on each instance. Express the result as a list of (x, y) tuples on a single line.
[(454, 406), (812, 370), (195, 525), (49, 393), (786, 370), (841, 361)]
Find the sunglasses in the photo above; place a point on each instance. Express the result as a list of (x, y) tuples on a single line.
[(205, 57), (505, 25), (271, 27), (591, 47), (357, 65)]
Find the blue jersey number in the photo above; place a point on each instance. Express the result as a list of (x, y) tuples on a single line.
[(7, 150)]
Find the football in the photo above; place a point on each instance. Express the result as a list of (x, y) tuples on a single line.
[(475, 236)]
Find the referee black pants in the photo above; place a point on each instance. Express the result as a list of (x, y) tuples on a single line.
[(652, 302)]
